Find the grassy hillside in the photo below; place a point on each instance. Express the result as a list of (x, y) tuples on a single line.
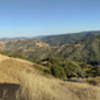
[(10, 67), (35, 86)]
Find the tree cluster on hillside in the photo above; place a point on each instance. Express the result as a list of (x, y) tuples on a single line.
[(64, 68)]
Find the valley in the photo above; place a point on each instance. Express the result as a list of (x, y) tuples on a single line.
[(51, 68)]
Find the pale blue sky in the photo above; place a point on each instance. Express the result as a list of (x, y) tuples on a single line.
[(43, 17)]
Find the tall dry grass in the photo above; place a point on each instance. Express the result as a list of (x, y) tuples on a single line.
[(35, 87), (38, 87)]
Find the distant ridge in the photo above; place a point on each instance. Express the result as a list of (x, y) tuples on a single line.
[(49, 35), (60, 39), (66, 46)]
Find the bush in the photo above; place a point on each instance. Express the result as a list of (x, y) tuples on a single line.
[(65, 68), (58, 71)]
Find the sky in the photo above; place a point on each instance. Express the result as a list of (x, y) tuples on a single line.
[(29, 18)]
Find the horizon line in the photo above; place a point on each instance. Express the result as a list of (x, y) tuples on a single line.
[(44, 35)]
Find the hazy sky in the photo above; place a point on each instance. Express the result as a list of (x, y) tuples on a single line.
[(42, 17)]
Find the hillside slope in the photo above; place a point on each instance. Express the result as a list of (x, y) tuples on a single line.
[(25, 48), (34, 86), (11, 67), (86, 50)]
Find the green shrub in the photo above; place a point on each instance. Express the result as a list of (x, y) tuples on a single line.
[(58, 71), (64, 68)]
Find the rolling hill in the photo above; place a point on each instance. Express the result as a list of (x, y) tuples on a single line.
[(83, 46), (19, 80), (11, 67)]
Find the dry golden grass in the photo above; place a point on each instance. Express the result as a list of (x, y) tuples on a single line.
[(2, 58), (37, 87), (10, 67), (91, 80)]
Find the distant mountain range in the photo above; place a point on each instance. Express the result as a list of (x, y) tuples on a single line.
[(84, 46), (55, 40)]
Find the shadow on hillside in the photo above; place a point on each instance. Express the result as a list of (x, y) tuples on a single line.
[(8, 91)]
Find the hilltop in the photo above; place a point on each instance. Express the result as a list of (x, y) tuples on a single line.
[(11, 67)]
